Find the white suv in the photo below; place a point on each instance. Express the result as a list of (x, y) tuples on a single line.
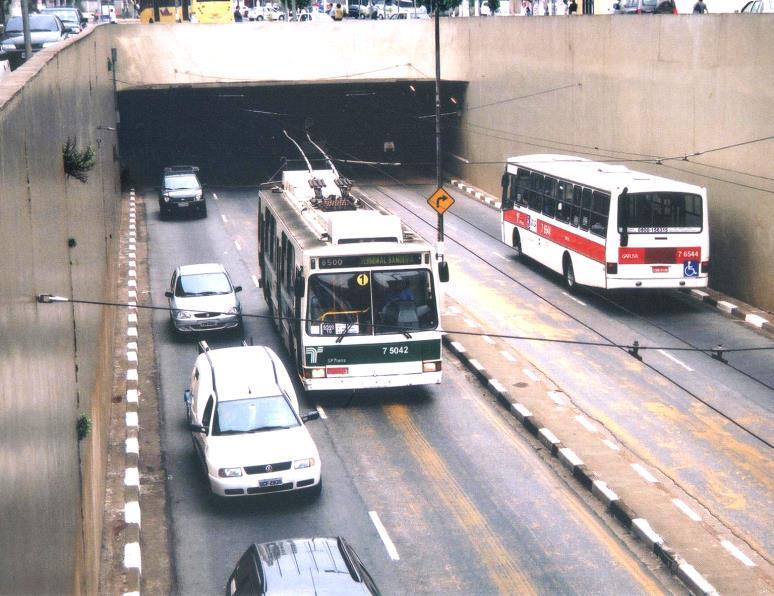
[(246, 426)]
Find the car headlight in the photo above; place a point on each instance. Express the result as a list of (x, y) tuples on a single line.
[(234, 310), (198, 196), (182, 314), (166, 198), (230, 472), (303, 463)]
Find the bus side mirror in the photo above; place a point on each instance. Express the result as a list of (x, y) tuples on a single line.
[(623, 211), (443, 271), (298, 288)]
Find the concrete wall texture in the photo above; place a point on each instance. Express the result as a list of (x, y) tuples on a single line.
[(613, 88), (55, 358)]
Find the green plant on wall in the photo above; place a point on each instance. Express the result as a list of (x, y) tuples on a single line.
[(83, 426), (77, 162)]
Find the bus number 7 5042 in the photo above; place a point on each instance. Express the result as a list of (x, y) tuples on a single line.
[(394, 350)]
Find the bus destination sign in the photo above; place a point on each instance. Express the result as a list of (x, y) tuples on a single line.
[(387, 260)]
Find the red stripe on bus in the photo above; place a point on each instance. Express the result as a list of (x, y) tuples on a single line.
[(574, 242), (661, 255)]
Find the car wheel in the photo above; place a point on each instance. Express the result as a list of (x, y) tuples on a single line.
[(569, 275), (259, 19)]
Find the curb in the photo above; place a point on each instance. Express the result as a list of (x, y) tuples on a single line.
[(132, 553), (755, 318), (638, 526)]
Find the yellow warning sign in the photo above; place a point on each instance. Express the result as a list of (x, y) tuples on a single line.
[(440, 200), (362, 279)]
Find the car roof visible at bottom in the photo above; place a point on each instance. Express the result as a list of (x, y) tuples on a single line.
[(181, 170), (307, 566)]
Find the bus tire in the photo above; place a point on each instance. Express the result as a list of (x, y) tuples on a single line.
[(569, 274), (517, 244)]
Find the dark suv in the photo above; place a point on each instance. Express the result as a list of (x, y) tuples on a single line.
[(45, 30), (73, 19), (180, 191)]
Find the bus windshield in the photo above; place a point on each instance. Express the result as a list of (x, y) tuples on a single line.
[(371, 302), (654, 212)]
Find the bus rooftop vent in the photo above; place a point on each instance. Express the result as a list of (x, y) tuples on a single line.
[(335, 203), (364, 226)]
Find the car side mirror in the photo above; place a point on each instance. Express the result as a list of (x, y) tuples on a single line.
[(197, 428), (237, 288), (187, 396), (443, 271), (168, 294), (310, 415)]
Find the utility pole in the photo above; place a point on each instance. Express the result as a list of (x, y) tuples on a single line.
[(438, 178), (25, 8)]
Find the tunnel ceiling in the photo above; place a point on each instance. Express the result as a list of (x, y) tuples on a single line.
[(235, 133)]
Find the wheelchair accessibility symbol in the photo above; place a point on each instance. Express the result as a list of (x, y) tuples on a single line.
[(691, 269)]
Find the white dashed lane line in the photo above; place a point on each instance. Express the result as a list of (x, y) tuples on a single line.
[(675, 360), (238, 246), (215, 196), (255, 281), (737, 553), (574, 299), (391, 550), (687, 510), (640, 469), (224, 218), (532, 376)]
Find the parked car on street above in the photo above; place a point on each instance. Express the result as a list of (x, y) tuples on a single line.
[(301, 566), (46, 30), (72, 18), (247, 429), (202, 298), (758, 6), (181, 191)]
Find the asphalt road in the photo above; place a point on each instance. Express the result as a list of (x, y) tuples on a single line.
[(468, 502), (706, 425)]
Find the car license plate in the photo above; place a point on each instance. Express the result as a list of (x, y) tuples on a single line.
[(182, 204), (270, 482)]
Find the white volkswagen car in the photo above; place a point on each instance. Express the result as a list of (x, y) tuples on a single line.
[(246, 426)]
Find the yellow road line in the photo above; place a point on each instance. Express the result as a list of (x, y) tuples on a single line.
[(498, 561)]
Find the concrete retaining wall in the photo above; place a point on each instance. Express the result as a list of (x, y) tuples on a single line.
[(56, 236)]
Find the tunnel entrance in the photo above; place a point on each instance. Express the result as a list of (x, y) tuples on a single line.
[(235, 133)]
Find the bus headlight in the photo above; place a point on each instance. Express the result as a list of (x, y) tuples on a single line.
[(314, 373), (434, 366)]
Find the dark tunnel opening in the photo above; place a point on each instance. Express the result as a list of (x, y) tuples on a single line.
[(234, 134)]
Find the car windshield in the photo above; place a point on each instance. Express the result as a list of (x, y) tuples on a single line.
[(253, 415), (38, 22), (202, 284), (181, 182), (67, 16), (650, 212), (371, 302)]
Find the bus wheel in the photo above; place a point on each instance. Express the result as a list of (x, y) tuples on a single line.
[(517, 244), (569, 274)]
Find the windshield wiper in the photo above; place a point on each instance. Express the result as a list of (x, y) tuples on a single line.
[(263, 428), (343, 333)]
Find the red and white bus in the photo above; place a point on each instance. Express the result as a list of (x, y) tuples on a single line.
[(605, 226)]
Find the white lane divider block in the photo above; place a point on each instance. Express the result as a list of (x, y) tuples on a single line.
[(132, 513), (131, 420), (131, 396), (382, 531), (756, 320), (131, 331), (131, 374), (458, 347), (476, 364), (132, 477), (132, 556), (726, 306), (132, 445), (255, 281), (131, 356), (498, 386), (642, 529)]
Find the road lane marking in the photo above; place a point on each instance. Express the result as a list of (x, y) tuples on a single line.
[(676, 361), (323, 415), (687, 510), (574, 299), (488, 339), (224, 218), (391, 550), (557, 398), (737, 553), (586, 423), (530, 374), (501, 564), (611, 445), (508, 356), (238, 246), (255, 281), (640, 469), (215, 196), (503, 257)]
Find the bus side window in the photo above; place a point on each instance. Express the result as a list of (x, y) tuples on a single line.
[(564, 201), (507, 182), (549, 196), (520, 188), (599, 213), (576, 205), (585, 209), (289, 261), (535, 192)]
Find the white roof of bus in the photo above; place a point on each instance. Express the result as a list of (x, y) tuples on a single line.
[(598, 174)]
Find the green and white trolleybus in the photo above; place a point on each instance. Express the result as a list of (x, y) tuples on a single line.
[(353, 291)]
